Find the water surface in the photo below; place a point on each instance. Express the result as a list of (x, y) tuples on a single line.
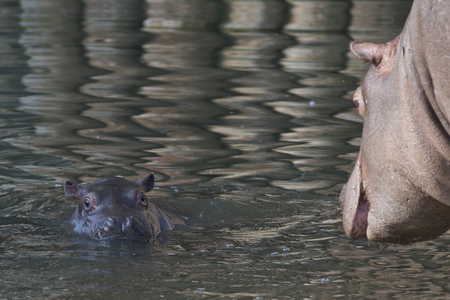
[(241, 109)]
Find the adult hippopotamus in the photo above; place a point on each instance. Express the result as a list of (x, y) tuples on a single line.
[(118, 208), (399, 190)]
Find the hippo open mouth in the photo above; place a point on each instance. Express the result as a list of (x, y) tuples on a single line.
[(355, 205), (360, 222), (368, 216)]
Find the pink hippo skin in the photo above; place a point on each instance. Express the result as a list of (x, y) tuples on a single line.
[(399, 190)]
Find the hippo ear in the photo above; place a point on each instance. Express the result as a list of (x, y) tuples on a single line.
[(148, 182), (369, 52), (72, 189), (380, 55)]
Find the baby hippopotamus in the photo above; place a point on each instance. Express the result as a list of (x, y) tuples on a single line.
[(118, 208)]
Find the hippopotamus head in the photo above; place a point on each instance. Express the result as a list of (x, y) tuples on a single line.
[(399, 190), (116, 208)]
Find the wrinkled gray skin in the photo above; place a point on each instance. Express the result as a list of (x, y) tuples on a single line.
[(117, 208), (399, 190)]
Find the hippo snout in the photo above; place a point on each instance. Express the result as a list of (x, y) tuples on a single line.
[(122, 227)]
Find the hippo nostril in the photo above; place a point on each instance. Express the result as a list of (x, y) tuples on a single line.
[(104, 229), (126, 225), (109, 220), (109, 223)]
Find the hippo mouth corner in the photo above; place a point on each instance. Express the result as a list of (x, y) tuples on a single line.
[(360, 222), (355, 205)]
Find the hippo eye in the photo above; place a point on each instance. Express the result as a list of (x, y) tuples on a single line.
[(143, 198), (89, 202)]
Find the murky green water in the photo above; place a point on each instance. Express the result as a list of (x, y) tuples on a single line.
[(242, 111)]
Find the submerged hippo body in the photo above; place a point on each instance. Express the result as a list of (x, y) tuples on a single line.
[(399, 190), (117, 208)]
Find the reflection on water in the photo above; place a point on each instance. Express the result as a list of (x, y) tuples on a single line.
[(241, 108)]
